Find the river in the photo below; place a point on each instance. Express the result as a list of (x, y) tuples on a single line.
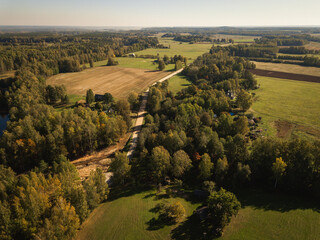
[(4, 118)]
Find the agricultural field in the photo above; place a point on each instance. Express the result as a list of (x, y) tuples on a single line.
[(177, 83), (128, 62), (312, 46), (115, 80), (288, 108), (236, 38), (127, 217), (191, 51), (288, 68)]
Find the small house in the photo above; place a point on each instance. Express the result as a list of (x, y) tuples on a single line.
[(98, 97), (230, 94)]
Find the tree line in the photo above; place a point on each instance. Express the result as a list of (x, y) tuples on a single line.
[(54, 54), (48, 202)]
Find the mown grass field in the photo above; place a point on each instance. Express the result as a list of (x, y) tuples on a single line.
[(263, 216), (270, 216), (236, 38), (127, 218), (294, 103), (177, 83), (191, 51), (288, 68)]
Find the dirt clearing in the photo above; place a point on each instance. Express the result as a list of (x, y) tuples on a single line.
[(115, 80)]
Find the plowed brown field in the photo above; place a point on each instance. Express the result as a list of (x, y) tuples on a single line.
[(115, 80)]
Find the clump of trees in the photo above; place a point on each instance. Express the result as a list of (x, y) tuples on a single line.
[(38, 132), (222, 206), (47, 205)]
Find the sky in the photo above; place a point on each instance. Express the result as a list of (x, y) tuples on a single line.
[(149, 13)]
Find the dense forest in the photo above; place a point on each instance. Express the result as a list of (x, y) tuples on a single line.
[(52, 54), (42, 195)]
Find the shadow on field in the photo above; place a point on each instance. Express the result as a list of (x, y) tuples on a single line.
[(192, 228), (276, 201), (120, 192)]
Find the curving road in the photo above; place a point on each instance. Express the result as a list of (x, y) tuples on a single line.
[(141, 114)]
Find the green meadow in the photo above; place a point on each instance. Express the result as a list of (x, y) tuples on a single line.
[(294, 103), (263, 216), (127, 217), (177, 83), (191, 51)]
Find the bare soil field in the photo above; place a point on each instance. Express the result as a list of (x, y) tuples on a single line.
[(312, 46), (284, 75), (115, 80), (288, 68)]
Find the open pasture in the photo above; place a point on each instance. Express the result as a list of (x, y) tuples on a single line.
[(273, 216), (287, 107), (127, 217), (236, 38), (191, 51), (177, 83), (263, 216), (115, 80)]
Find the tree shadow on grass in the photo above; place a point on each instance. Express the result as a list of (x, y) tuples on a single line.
[(276, 201), (193, 228), (127, 191), (156, 224)]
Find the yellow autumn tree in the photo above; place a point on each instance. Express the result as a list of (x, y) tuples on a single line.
[(278, 169)]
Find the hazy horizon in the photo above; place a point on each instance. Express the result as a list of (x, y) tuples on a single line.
[(143, 13)]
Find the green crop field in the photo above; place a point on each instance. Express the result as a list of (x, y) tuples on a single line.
[(127, 218), (177, 83), (191, 51), (290, 106)]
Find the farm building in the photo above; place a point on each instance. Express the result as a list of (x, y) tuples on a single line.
[(132, 55), (98, 97)]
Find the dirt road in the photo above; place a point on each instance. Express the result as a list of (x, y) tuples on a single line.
[(141, 114), (103, 157)]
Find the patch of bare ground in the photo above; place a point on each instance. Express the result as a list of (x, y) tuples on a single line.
[(99, 159), (285, 129)]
